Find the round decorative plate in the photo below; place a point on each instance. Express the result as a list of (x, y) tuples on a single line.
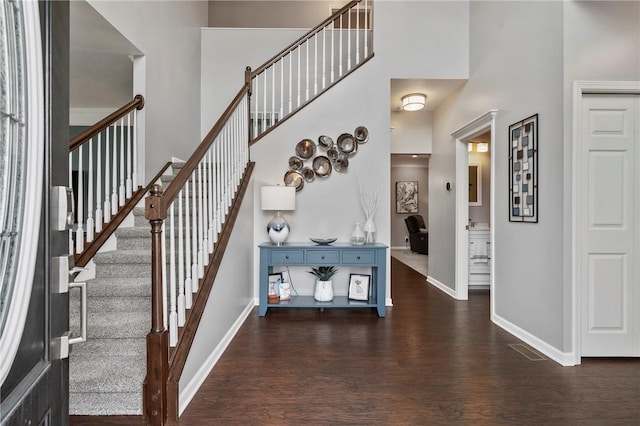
[(325, 141), (362, 134), (323, 241), (347, 144), (322, 166), (341, 163), (333, 153), (308, 174), (295, 163), (294, 178), (306, 149)]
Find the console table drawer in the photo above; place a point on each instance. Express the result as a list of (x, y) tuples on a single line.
[(328, 257), (287, 257), (364, 257)]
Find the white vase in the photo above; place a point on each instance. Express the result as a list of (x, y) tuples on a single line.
[(323, 291), (369, 232), (357, 237)]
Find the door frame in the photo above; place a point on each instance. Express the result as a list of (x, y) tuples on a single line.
[(482, 124), (581, 88)]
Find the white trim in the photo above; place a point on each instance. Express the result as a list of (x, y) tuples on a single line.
[(478, 202), (440, 286), (485, 122), (11, 334), (190, 389), (581, 88), (565, 359)]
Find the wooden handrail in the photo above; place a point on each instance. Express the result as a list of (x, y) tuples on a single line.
[(83, 258), (182, 177), (136, 103), (304, 38)]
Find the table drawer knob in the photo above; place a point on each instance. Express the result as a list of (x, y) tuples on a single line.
[(322, 257), (358, 257), (286, 257)]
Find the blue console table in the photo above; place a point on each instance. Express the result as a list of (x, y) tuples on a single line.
[(336, 254)]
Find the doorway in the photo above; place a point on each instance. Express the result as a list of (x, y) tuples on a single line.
[(474, 129), (479, 211), (606, 209)]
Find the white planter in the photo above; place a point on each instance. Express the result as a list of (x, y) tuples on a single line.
[(323, 291)]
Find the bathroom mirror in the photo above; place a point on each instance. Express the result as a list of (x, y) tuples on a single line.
[(475, 185)]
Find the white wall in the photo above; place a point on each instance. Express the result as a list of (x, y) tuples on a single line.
[(168, 34), (411, 132), (398, 226), (481, 214)]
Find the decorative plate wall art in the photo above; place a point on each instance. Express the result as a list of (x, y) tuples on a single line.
[(320, 165), (523, 170)]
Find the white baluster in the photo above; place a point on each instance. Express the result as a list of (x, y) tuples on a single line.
[(99, 184), (218, 185), (281, 88), (357, 33), (264, 106), (273, 94), (210, 197), (79, 209), (255, 111), (188, 293), (173, 314), (121, 189), (299, 50), (90, 222), (181, 282), (194, 236), (114, 170), (349, 41), (333, 24), (340, 50), (107, 169), (290, 55), (129, 182), (136, 182), (366, 29), (203, 260), (324, 54), (307, 79), (165, 305), (315, 61)]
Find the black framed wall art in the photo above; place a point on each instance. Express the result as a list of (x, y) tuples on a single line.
[(523, 170)]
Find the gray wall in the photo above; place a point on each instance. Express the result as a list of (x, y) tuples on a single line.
[(398, 227), (270, 14), (168, 34), (481, 214)]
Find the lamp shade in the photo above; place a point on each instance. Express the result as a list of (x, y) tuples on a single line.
[(278, 198), (413, 102)]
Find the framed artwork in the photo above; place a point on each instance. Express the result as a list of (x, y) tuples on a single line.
[(407, 197), (359, 286), (523, 170)]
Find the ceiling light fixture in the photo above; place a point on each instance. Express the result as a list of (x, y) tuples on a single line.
[(470, 146), (483, 147), (413, 102)]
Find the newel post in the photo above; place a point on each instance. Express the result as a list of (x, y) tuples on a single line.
[(154, 392)]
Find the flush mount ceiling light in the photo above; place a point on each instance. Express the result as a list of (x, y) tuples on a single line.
[(483, 147), (413, 102)]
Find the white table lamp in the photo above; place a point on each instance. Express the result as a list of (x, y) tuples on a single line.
[(278, 198)]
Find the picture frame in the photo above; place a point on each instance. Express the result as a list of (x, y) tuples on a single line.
[(359, 287), (407, 197), (523, 170), (273, 289)]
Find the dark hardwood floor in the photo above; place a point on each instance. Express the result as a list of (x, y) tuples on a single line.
[(432, 360)]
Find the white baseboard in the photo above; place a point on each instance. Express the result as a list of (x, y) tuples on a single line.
[(440, 286), (400, 248), (190, 390), (565, 359)]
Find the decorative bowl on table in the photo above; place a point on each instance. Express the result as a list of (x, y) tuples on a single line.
[(323, 241)]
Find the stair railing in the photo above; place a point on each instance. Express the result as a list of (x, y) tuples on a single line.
[(189, 233), (309, 66), (103, 171)]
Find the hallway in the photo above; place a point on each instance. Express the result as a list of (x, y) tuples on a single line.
[(433, 360)]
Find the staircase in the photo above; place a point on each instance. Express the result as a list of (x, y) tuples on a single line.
[(107, 371)]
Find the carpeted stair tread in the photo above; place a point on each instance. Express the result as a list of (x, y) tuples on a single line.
[(109, 347), (123, 256), (119, 287), (117, 325), (107, 374), (134, 232), (101, 404), (113, 304)]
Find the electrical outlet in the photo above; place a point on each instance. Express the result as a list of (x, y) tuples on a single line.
[(406, 239)]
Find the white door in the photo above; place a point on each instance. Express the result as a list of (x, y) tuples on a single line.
[(609, 155)]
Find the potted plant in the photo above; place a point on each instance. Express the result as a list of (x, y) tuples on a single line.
[(324, 287)]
